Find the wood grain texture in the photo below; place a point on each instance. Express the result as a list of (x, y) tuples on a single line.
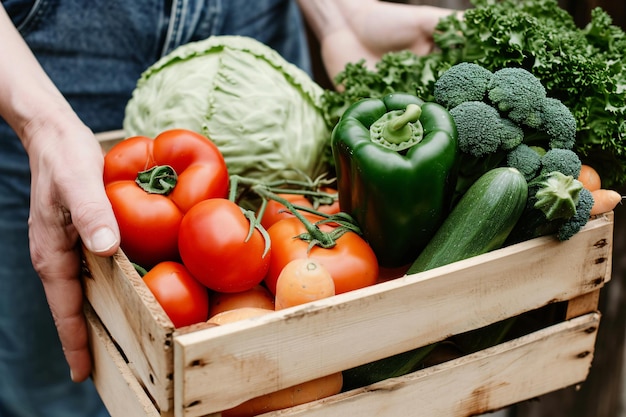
[(281, 349)]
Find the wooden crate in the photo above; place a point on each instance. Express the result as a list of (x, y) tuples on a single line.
[(143, 366)]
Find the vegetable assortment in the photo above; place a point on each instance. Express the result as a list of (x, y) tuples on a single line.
[(435, 159), (585, 68)]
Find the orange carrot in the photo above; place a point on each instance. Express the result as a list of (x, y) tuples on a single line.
[(604, 200), (301, 281), (589, 177)]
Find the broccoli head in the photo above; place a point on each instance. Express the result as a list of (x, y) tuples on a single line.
[(573, 225), (565, 161), (462, 82), (525, 159), (558, 124), (477, 125), (519, 94)]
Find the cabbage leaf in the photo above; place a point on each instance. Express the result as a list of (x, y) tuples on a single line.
[(262, 112)]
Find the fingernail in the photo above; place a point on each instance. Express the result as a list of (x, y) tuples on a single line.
[(102, 240)]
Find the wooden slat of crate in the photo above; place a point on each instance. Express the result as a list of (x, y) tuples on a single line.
[(135, 320), (108, 139), (288, 347), (118, 387), (524, 368)]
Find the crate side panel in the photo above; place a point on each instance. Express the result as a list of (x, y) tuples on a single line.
[(116, 384), (109, 139), (135, 321), (294, 345), (524, 368)]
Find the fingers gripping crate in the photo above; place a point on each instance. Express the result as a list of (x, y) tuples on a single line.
[(143, 366)]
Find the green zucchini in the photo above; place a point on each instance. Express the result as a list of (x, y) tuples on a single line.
[(480, 222), (391, 367)]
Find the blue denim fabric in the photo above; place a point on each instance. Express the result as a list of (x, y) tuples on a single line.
[(94, 51)]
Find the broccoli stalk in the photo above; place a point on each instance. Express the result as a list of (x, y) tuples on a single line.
[(557, 195)]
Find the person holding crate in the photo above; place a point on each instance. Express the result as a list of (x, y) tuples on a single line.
[(68, 68)]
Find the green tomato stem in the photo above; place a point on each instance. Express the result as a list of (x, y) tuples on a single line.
[(314, 235), (160, 179)]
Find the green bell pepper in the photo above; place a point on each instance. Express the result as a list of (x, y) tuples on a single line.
[(396, 161)]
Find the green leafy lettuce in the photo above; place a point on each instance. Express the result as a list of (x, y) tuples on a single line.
[(263, 113)]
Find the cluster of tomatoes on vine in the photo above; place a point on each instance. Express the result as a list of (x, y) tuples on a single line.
[(182, 224)]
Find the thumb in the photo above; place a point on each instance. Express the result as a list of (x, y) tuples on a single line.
[(103, 240), (95, 221)]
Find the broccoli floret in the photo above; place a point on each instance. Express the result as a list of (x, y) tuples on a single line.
[(558, 123), (565, 161), (510, 133), (462, 82), (519, 94), (477, 123), (573, 225), (525, 159)]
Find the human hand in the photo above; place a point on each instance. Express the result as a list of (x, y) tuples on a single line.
[(68, 202), (352, 30)]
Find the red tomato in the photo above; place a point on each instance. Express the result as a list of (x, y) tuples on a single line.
[(184, 299), (274, 211), (351, 262), (330, 208), (149, 218), (212, 244)]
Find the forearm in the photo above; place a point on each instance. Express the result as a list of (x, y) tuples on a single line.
[(27, 96), (326, 16)]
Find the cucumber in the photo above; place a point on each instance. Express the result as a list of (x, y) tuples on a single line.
[(480, 222), (391, 367)]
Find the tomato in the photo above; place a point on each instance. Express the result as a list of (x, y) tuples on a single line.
[(274, 211), (184, 299), (351, 262), (257, 296), (330, 208), (213, 246), (301, 281), (149, 217)]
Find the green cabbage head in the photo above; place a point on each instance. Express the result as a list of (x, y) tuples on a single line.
[(262, 112)]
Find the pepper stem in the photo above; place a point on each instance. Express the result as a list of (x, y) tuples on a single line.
[(398, 130), (160, 179)]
